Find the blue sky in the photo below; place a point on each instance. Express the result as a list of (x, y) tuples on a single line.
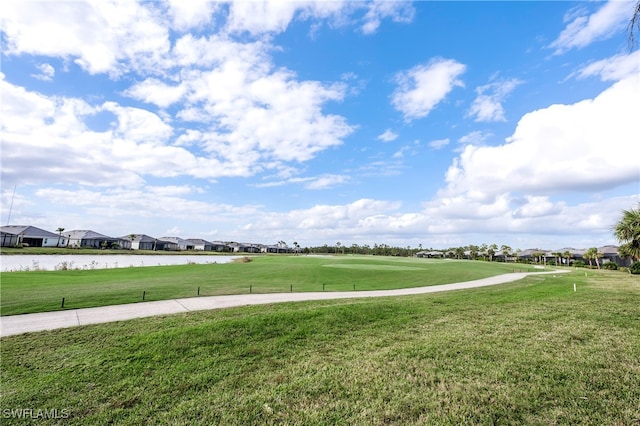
[(433, 123)]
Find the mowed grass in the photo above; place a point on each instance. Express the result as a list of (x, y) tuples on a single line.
[(41, 291), (530, 352)]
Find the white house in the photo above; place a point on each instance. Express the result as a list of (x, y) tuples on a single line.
[(34, 237)]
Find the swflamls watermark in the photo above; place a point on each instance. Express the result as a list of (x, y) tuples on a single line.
[(35, 413)]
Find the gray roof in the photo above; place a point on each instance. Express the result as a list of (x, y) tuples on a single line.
[(198, 241), (176, 240), (28, 231), (142, 238), (609, 249), (529, 252), (83, 234)]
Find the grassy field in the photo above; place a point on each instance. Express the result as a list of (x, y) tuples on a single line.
[(530, 352), (40, 291)]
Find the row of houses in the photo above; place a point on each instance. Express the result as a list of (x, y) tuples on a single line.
[(566, 255), (31, 236)]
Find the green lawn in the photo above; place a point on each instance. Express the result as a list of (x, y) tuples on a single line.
[(530, 352), (39, 291)]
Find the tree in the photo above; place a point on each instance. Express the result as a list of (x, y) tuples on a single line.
[(459, 252), (592, 254), (627, 231), (59, 231), (567, 255), (506, 251), (491, 251), (537, 255), (483, 251)]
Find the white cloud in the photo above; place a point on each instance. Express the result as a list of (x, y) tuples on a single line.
[(138, 125), (191, 14), (439, 143), (422, 87), (612, 69), (156, 92), (602, 24), (587, 146), (103, 36), (476, 138), (327, 181), (46, 72), (380, 9), (388, 136), (487, 106), (257, 17)]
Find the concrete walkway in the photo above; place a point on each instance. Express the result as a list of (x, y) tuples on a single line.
[(17, 324)]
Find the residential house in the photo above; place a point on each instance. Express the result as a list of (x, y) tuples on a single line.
[(528, 254), (164, 245), (142, 242), (611, 254), (181, 244), (274, 248), (244, 247), (198, 244), (220, 246), (92, 239), (430, 254), (576, 254), (32, 237)]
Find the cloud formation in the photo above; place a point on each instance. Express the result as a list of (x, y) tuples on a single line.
[(487, 106), (584, 30), (424, 86)]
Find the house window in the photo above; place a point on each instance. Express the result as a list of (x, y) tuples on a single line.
[(45, 241)]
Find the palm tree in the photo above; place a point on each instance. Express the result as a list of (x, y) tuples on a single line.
[(567, 255), (590, 255), (627, 231), (492, 251), (473, 251), (538, 255), (624, 251), (506, 251), (59, 231)]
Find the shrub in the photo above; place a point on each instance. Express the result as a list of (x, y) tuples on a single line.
[(635, 268), (610, 265), (579, 264)]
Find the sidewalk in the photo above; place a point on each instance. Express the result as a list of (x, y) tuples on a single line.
[(17, 324)]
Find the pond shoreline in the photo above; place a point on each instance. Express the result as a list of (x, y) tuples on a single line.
[(51, 262)]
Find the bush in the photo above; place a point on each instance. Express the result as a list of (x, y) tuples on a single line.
[(635, 268), (610, 265), (579, 264)]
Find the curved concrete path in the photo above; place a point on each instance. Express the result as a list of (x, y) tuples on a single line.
[(17, 324)]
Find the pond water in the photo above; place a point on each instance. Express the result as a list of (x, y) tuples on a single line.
[(50, 262)]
